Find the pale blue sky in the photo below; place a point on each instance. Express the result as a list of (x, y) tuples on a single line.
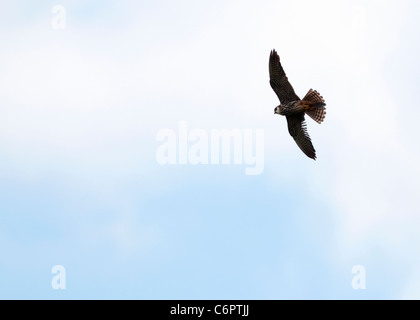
[(80, 185)]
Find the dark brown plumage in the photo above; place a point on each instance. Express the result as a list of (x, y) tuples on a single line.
[(293, 107)]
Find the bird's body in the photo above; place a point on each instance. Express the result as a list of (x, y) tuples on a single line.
[(294, 108), (289, 109)]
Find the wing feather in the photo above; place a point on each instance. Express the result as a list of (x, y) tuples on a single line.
[(279, 81), (297, 129)]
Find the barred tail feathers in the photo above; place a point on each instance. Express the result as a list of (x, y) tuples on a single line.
[(315, 106)]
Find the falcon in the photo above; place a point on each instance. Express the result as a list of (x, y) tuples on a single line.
[(294, 108)]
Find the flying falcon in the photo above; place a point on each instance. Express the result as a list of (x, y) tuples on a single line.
[(294, 108)]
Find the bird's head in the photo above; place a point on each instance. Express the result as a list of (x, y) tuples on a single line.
[(277, 110)]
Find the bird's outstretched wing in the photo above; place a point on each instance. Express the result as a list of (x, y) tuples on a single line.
[(297, 129), (279, 81)]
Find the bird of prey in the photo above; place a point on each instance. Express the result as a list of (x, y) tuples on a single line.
[(294, 108)]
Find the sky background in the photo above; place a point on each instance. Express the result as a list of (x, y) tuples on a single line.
[(80, 185)]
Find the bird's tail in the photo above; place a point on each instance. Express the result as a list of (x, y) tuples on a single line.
[(314, 105)]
